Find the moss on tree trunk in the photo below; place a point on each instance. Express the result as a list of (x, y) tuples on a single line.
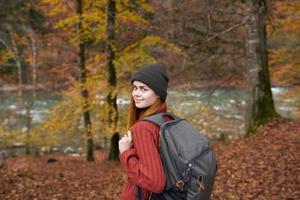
[(260, 105)]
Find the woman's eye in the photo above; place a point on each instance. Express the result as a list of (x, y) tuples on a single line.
[(144, 90)]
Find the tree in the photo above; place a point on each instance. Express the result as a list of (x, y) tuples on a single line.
[(260, 105), (284, 53), (7, 38), (84, 92), (133, 52), (212, 35), (109, 47), (19, 21), (112, 78)]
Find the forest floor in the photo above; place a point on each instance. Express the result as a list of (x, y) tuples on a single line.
[(263, 166)]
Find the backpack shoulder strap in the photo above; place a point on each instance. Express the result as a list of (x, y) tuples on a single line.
[(158, 119)]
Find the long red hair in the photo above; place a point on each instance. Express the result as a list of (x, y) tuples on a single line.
[(135, 114)]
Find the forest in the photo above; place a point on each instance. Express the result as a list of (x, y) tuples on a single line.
[(65, 69)]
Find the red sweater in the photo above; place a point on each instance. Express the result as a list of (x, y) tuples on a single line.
[(142, 162)]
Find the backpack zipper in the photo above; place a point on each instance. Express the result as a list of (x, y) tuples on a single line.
[(200, 156), (190, 164)]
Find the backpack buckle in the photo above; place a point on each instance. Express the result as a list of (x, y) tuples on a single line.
[(179, 184), (201, 183)]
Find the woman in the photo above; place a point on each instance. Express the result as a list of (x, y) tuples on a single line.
[(139, 149)]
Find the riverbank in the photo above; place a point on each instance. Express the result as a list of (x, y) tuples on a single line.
[(263, 166), (11, 88), (30, 87), (225, 83)]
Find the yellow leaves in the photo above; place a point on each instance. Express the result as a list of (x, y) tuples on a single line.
[(63, 122), (6, 55), (141, 3), (93, 18), (146, 6), (154, 41), (68, 22), (138, 54), (128, 16), (65, 119), (57, 7), (92, 26), (10, 137), (99, 58), (124, 13), (131, 59)]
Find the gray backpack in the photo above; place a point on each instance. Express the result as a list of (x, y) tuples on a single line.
[(189, 163)]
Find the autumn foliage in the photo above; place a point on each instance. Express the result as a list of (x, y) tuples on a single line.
[(203, 43), (263, 166)]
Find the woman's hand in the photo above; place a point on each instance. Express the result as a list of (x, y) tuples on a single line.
[(125, 142)]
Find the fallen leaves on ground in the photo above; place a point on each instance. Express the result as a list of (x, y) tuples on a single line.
[(67, 178), (263, 166)]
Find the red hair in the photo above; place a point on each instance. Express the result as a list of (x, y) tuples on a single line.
[(134, 113)]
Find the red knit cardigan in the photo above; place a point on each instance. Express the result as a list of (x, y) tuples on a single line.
[(142, 162)]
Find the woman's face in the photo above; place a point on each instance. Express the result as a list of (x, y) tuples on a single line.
[(143, 96)]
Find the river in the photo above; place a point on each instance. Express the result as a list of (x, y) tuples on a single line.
[(219, 113)]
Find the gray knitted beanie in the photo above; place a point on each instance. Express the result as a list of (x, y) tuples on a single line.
[(154, 76)]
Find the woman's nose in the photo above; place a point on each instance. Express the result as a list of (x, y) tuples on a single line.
[(136, 92)]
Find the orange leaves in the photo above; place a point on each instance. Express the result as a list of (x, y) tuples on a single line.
[(287, 15), (285, 74), (263, 166), (68, 178), (284, 33)]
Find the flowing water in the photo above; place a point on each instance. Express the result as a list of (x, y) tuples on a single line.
[(219, 113)]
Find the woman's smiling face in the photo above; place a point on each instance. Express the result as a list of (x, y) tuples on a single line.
[(143, 96)]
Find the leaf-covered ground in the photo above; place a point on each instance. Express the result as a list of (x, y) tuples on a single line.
[(264, 166)]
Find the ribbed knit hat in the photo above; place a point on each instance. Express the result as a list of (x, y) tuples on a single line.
[(154, 76)]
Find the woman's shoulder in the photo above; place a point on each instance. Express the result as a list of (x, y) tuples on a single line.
[(144, 129), (143, 124)]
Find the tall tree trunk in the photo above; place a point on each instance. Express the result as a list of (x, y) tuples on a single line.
[(112, 80), (29, 105), (33, 61), (84, 91), (19, 67), (260, 105)]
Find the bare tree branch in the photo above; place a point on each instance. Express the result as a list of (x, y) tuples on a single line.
[(225, 31)]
